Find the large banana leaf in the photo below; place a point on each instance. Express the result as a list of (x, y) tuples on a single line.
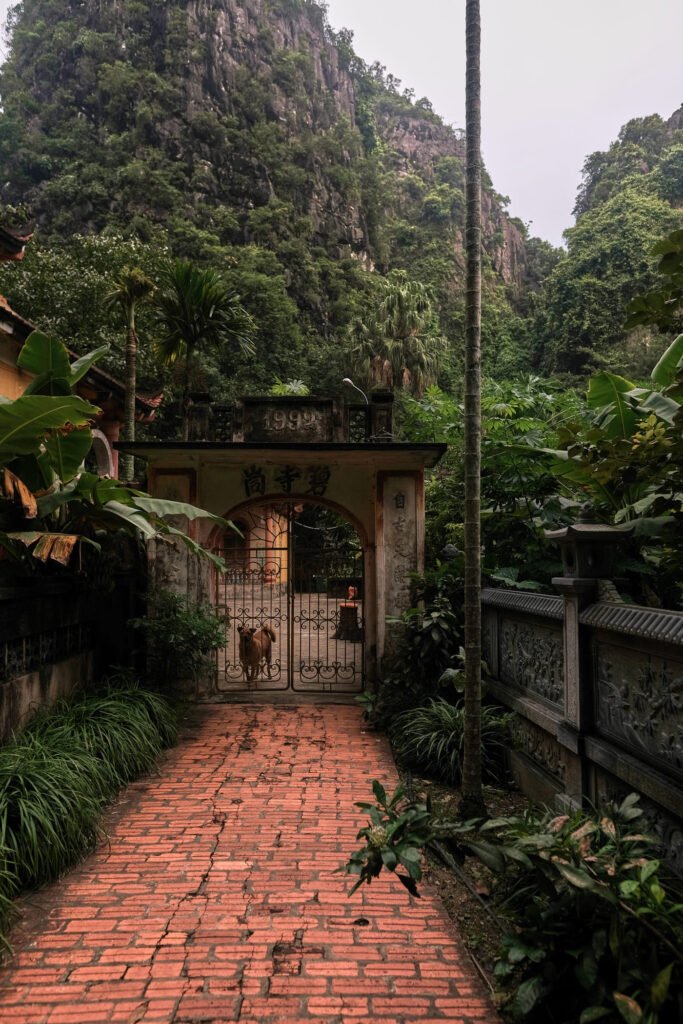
[(661, 405), (608, 394), (131, 517), (14, 489), (55, 498), (196, 548), (25, 421), (43, 355), (67, 451), (47, 384), (80, 367), (48, 360), (54, 547), (664, 372), (162, 507)]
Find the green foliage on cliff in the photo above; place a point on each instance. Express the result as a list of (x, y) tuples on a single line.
[(630, 196), (252, 140)]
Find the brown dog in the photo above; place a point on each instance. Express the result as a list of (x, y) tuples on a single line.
[(256, 649)]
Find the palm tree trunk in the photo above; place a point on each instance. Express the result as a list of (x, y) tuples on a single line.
[(186, 391), (472, 804), (127, 462)]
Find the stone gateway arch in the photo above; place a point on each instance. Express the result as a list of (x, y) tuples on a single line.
[(330, 514)]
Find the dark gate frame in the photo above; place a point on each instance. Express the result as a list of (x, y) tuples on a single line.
[(325, 676)]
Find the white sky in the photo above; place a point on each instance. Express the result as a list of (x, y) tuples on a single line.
[(560, 77)]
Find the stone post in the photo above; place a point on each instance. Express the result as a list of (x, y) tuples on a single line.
[(588, 550), (382, 416), (402, 551), (199, 415)]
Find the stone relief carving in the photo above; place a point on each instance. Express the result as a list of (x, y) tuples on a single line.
[(639, 702), (658, 822), (532, 658), (400, 526), (540, 746), (487, 635)]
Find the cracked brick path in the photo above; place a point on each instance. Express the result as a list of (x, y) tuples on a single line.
[(214, 899)]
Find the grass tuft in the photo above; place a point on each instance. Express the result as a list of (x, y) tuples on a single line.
[(431, 739), (57, 775)]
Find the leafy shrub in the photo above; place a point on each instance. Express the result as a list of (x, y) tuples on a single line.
[(424, 647), (431, 739), (596, 930), (57, 775), (123, 729), (596, 934), (181, 636)]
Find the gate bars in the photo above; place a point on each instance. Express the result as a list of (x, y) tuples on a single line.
[(298, 570)]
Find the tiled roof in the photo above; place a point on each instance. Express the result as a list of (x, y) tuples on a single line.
[(95, 375), (12, 244), (6, 309)]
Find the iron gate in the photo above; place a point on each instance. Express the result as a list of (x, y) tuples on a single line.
[(297, 571)]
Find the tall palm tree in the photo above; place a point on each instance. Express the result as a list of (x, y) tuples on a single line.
[(196, 309), (132, 288), (400, 346), (472, 804)]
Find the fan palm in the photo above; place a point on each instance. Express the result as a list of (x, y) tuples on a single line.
[(401, 346), (196, 309), (131, 289)]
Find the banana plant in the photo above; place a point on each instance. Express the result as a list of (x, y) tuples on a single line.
[(49, 505), (623, 452)]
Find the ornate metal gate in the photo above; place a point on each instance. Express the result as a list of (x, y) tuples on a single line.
[(296, 574)]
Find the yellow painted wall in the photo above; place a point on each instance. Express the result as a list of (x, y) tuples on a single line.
[(13, 381), (351, 487)]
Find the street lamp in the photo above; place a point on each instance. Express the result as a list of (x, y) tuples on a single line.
[(347, 380)]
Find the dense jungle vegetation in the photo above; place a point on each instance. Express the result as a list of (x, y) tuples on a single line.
[(248, 137), (263, 146)]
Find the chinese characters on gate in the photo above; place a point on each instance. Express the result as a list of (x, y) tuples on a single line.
[(312, 480), (402, 560)]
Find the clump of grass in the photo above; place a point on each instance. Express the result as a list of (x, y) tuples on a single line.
[(431, 739), (122, 729), (50, 805), (57, 775)]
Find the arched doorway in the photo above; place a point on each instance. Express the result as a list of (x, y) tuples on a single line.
[(292, 599)]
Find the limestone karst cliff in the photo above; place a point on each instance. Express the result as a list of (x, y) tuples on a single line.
[(244, 131)]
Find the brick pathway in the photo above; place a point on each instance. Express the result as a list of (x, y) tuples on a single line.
[(215, 899)]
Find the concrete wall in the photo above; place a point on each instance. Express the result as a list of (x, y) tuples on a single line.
[(56, 637), (22, 696)]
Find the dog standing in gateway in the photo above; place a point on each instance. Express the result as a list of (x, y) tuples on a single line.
[(256, 650)]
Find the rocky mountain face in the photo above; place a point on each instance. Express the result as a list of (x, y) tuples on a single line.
[(243, 131), (675, 122)]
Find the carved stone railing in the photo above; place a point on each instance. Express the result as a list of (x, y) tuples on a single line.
[(597, 687), (522, 643)]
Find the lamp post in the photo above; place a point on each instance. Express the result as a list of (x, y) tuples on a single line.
[(347, 380)]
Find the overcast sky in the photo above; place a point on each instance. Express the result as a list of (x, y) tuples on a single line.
[(560, 77)]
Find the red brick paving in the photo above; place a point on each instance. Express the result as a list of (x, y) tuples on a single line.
[(215, 898)]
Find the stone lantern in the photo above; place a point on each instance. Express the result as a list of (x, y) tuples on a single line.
[(588, 548)]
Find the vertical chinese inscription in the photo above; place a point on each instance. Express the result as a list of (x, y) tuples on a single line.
[(400, 541)]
